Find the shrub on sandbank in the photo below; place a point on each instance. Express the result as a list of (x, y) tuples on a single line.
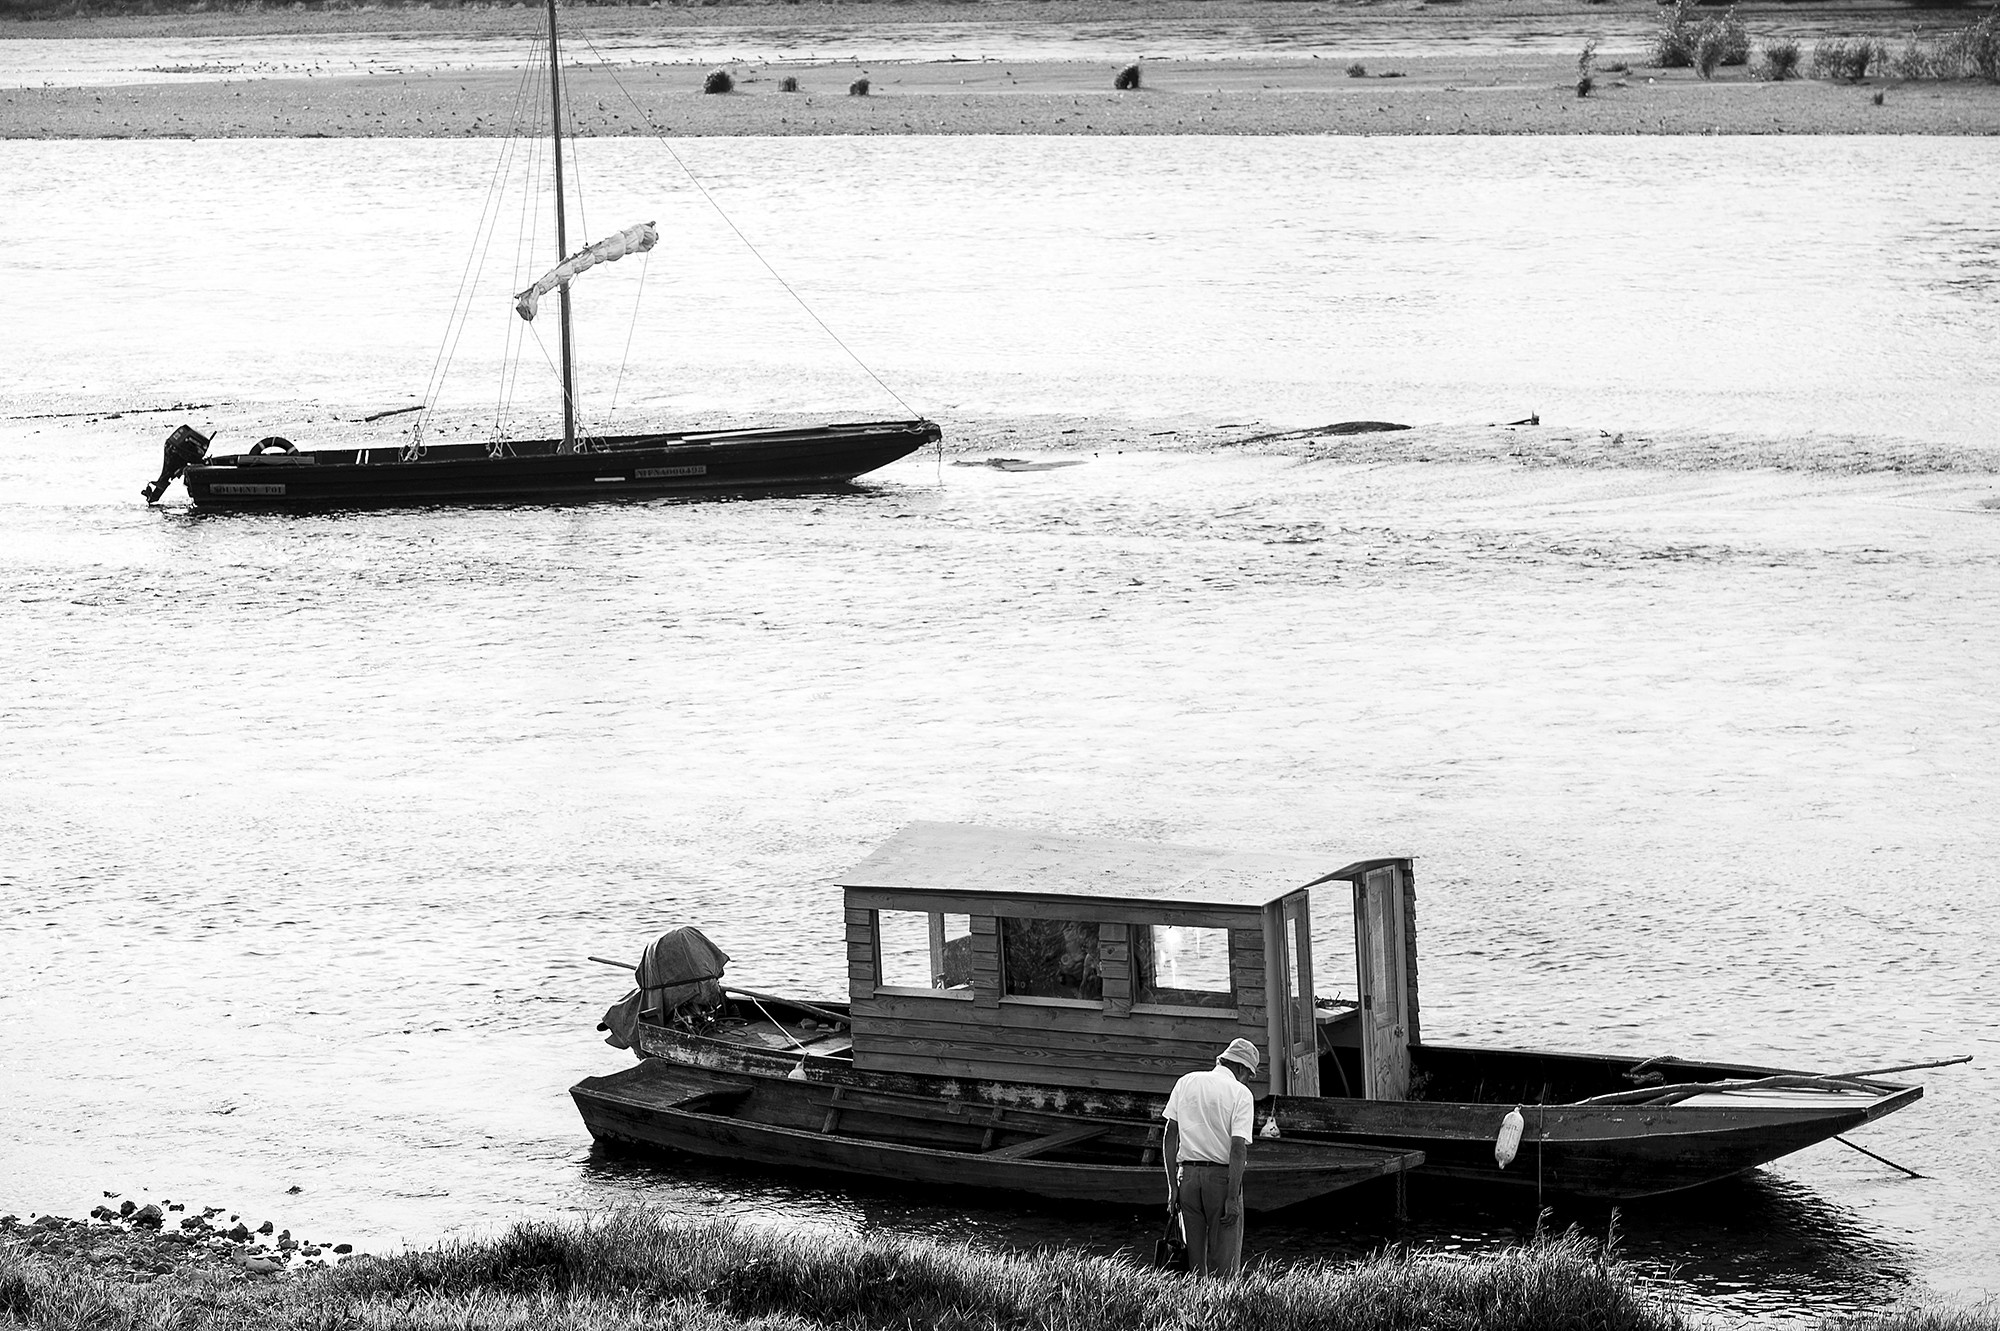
[(1777, 61), (1686, 39), (1965, 53), (1848, 58)]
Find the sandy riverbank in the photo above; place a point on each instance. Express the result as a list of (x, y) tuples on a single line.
[(1277, 89), (1435, 95)]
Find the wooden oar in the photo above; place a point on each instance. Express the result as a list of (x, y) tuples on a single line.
[(819, 1012), (1911, 1067), (1651, 1095)]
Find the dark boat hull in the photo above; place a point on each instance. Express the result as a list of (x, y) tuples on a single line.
[(1610, 1152), (533, 471), (790, 1124)]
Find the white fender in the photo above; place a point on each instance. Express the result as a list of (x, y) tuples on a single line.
[(1509, 1141)]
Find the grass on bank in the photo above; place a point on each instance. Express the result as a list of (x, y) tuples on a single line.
[(630, 1269)]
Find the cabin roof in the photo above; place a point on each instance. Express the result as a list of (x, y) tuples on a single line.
[(997, 861)]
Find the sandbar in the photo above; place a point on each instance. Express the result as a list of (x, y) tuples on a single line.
[(1269, 90)]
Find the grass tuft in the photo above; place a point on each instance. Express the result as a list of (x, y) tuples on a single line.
[(1127, 80), (789, 84), (1357, 70), (858, 88), (719, 80)]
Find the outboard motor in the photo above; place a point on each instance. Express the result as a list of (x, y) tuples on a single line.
[(183, 446)]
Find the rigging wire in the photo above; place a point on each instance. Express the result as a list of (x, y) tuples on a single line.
[(524, 245), (468, 281), (694, 180), (645, 263)]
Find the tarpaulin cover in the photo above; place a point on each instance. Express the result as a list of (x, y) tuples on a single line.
[(681, 955)]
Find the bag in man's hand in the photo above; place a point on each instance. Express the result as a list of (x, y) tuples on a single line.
[(1170, 1251)]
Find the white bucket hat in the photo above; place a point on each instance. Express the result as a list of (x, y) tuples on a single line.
[(1240, 1051)]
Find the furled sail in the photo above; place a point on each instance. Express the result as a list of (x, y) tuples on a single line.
[(632, 240)]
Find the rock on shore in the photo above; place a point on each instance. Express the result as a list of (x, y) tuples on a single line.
[(140, 1244)]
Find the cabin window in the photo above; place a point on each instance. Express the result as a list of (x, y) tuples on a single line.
[(1050, 959), (924, 950), (1179, 966)]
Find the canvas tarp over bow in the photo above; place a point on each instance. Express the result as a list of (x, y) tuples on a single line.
[(635, 239)]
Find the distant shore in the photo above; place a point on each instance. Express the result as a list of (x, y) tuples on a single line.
[(1519, 89)]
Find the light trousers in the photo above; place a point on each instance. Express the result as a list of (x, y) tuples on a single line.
[(1215, 1245)]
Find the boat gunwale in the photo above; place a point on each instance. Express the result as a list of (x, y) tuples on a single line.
[(1377, 1161)]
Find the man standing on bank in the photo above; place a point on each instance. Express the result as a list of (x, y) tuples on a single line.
[(1210, 1116)]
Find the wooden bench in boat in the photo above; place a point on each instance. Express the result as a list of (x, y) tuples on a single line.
[(1054, 1141)]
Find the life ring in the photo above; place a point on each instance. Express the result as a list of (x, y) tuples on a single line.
[(273, 443)]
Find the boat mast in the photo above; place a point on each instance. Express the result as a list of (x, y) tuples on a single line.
[(562, 238)]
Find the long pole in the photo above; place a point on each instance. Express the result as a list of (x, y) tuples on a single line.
[(562, 238)]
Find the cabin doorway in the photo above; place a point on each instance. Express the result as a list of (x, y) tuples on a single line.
[(1382, 971)]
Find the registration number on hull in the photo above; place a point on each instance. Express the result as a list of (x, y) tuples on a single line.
[(659, 473)]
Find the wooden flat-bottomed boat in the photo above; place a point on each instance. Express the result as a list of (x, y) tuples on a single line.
[(544, 471), (580, 464), (1081, 976), (906, 1138)]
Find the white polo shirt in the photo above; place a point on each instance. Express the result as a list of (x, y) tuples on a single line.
[(1210, 1108)]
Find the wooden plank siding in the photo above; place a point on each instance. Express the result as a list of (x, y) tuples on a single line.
[(1116, 1059), (985, 964), (862, 966), (1247, 975), (1114, 966), (1107, 1045)]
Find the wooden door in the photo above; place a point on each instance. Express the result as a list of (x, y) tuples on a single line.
[(1298, 1042), (1382, 972)]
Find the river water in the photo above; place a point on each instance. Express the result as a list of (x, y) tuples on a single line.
[(1683, 698)]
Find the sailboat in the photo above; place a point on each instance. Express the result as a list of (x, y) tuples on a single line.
[(274, 473)]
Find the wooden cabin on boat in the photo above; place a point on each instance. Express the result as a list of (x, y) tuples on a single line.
[(1011, 956), (996, 972)]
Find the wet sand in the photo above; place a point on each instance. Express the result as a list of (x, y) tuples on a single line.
[(1521, 92)]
